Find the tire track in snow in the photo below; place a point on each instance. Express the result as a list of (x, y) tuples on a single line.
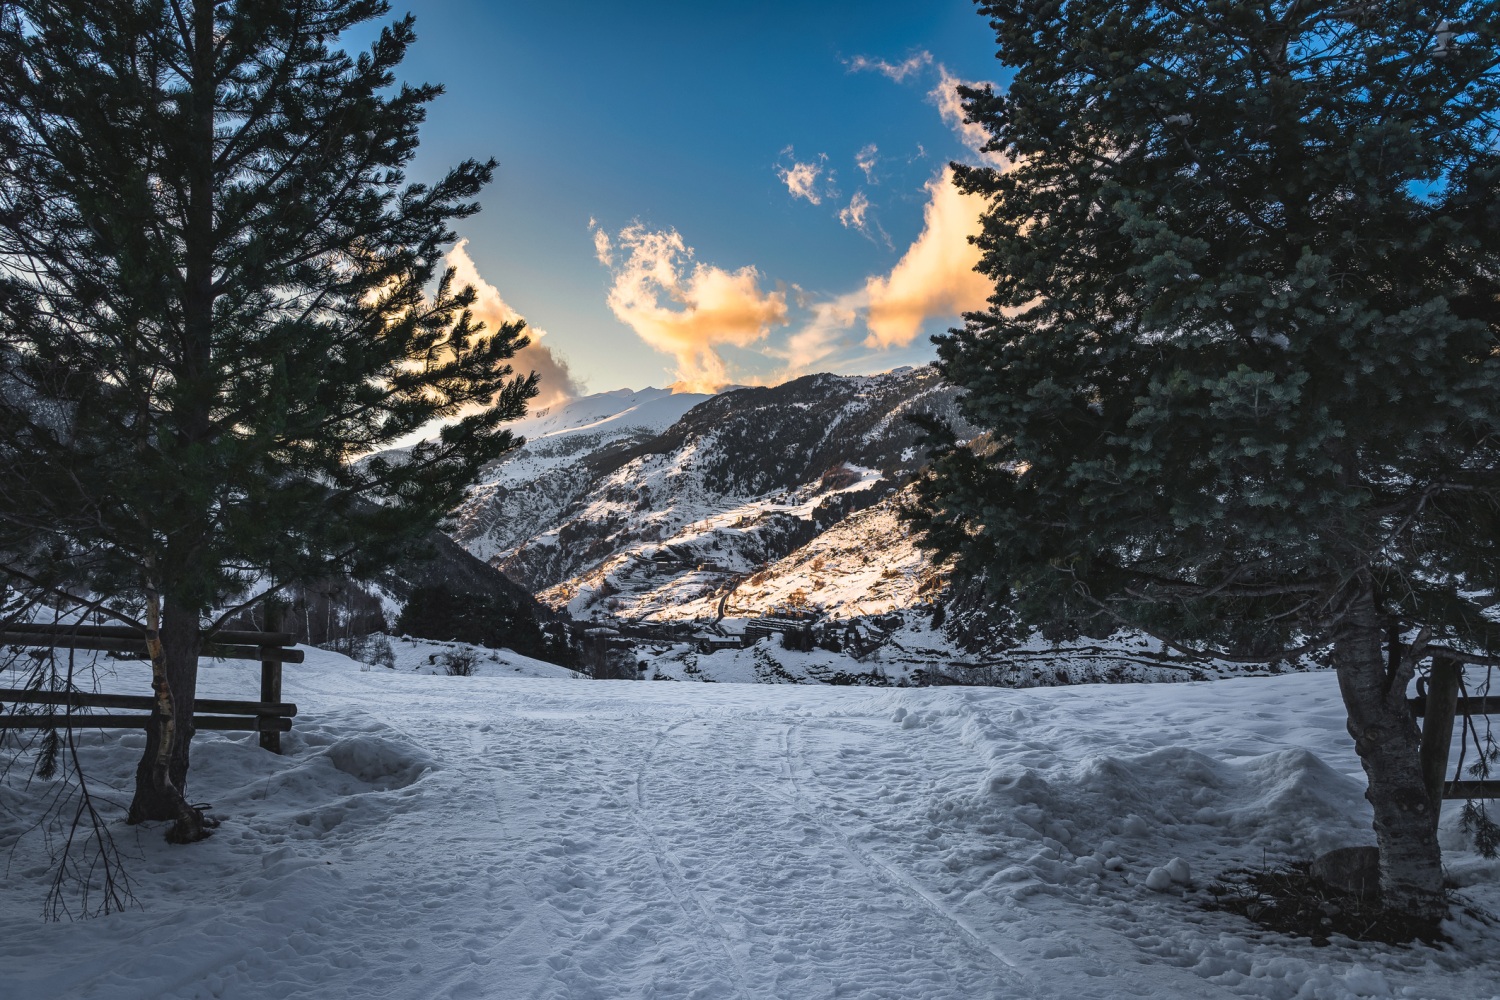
[(686, 897), (814, 920), (508, 835), (1123, 981), (881, 871)]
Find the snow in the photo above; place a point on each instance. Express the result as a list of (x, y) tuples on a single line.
[(717, 533), (549, 471), (643, 409), (601, 512), (430, 656), (841, 574), (504, 836)]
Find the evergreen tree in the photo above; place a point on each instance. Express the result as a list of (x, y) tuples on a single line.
[(439, 612), (1240, 372), (217, 291)]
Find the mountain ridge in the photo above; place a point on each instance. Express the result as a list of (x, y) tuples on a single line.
[(656, 519)]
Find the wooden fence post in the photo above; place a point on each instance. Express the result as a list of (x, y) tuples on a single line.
[(1437, 727), (270, 673)]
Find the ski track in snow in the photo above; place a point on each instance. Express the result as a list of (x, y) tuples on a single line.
[(492, 838)]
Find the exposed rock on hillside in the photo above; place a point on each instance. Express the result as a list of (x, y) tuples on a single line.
[(616, 516)]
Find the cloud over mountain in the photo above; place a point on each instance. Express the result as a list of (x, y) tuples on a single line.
[(557, 382), (687, 308), (936, 276)]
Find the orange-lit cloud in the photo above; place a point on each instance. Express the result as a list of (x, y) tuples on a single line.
[(692, 310), (801, 179), (689, 309), (557, 383), (936, 276), (825, 334)]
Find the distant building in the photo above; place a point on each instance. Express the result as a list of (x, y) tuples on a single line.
[(712, 642), (795, 629)]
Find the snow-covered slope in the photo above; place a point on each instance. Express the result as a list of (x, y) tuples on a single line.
[(490, 838), (622, 411), (530, 489), (666, 525), (865, 564)]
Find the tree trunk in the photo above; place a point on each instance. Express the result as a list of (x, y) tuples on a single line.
[(161, 776), (1389, 746)]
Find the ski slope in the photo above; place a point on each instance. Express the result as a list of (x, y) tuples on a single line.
[(504, 836)]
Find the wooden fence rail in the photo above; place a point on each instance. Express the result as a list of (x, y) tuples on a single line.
[(91, 720), (269, 716), (1438, 707), (144, 703), (219, 645)]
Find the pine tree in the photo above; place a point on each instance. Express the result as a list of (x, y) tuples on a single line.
[(442, 613), (1240, 374), (218, 292)]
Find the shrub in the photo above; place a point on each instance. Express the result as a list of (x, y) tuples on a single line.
[(460, 663)]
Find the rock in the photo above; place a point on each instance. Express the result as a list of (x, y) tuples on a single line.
[(1355, 870)]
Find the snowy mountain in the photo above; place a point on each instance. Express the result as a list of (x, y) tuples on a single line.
[(691, 525), (755, 535), (663, 507), (530, 489)]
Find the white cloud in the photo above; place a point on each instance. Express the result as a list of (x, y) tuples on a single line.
[(895, 71), (801, 179), (689, 309), (603, 249), (856, 215), (824, 335), (557, 382), (936, 276), (944, 95), (950, 106)]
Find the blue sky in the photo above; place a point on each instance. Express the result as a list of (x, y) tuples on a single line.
[(704, 192)]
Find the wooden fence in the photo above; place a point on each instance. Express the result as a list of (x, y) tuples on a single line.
[(1438, 704), (269, 716)]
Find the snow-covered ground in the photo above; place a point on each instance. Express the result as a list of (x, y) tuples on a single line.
[(432, 656), (510, 837)]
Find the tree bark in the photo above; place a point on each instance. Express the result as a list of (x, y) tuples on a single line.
[(1389, 747), (161, 776)]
